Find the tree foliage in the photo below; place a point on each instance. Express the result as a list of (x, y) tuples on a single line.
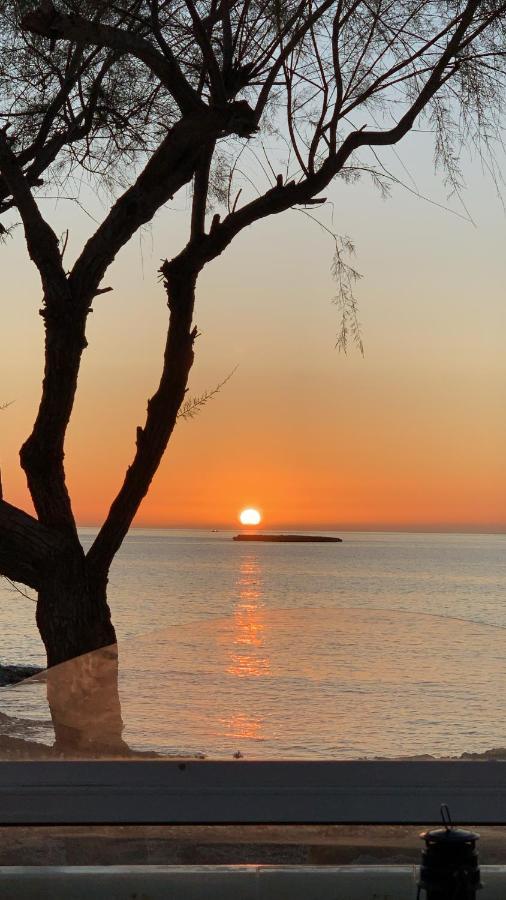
[(254, 107)]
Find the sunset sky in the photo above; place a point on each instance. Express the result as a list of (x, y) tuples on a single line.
[(411, 436)]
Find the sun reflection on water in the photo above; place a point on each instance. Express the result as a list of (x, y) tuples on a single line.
[(247, 653), (245, 647), (241, 726)]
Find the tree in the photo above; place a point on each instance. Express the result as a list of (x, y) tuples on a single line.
[(180, 90)]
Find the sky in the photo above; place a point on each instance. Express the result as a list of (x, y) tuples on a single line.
[(410, 436)]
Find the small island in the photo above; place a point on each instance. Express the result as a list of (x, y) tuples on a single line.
[(289, 538)]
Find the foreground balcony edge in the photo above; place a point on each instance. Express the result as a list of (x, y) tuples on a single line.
[(226, 882), (251, 792)]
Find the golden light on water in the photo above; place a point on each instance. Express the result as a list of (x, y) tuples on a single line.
[(248, 657), (250, 517)]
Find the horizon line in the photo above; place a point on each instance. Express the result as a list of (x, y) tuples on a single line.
[(498, 528)]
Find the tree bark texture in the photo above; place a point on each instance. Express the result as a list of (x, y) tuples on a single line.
[(73, 615), (26, 546), (74, 621)]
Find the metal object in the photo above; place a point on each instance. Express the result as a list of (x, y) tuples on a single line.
[(449, 869)]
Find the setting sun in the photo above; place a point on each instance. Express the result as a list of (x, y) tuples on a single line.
[(250, 517)]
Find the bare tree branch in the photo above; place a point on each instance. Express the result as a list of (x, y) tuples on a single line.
[(173, 165), (162, 412), (26, 547), (175, 94), (47, 21), (41, 240)]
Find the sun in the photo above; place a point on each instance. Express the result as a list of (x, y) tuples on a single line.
[(250, 517)]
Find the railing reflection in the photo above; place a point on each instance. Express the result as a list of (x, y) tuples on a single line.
[(83, 698), (272, 683), (85, 711)]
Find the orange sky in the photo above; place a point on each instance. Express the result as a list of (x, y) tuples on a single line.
[(413, 435)]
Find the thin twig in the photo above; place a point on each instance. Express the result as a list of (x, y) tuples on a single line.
[(18, 590), (193, 405)]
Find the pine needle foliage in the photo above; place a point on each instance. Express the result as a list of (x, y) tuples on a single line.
[(191, 407)]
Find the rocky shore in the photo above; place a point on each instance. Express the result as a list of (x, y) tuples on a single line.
[(13, 674)]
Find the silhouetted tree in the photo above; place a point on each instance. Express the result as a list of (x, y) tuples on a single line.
[(175, 92)]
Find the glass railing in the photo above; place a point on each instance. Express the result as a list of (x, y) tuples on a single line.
[(268, 683)]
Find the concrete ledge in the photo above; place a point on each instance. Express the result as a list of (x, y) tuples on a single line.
[(224, 883)]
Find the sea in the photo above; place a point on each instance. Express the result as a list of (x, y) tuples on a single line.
[(387, 645)]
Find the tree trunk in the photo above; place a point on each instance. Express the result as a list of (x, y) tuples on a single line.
[(74, 621), (73, 615)]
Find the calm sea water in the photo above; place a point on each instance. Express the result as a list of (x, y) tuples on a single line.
[(384, 645)]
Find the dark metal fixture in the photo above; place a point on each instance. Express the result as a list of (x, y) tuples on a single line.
[(449, 869)]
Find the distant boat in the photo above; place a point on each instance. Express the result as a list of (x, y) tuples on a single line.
[(289, 538)]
